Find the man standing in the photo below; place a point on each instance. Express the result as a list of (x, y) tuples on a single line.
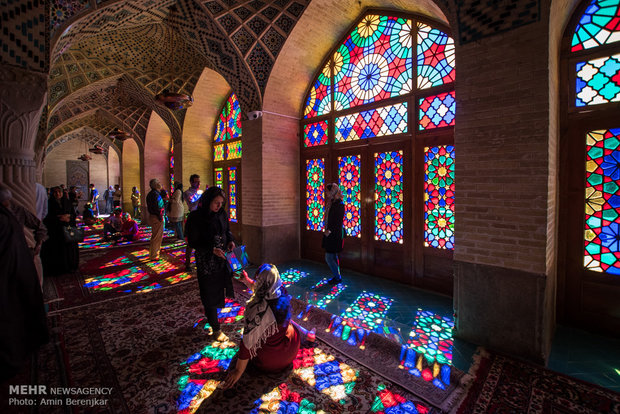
[(155, 209), (117, 196), (108, 196), (191, 197), (93, 198)]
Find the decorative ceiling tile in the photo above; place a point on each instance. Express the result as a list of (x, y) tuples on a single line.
[(296, 9), (62, 10), (229, 23), (243, 40), (257, 25), (256, 4), (261, 64), (243, 13), (24, 34), (270, 12), (273, 41), (214, 7), (285, 23)]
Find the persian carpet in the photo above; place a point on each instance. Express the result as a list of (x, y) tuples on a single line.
[(506, 385), (152, 350)]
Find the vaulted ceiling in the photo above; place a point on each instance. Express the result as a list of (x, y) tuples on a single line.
[(109, 59)]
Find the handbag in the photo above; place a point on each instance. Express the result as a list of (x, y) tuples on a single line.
[(73, 234)]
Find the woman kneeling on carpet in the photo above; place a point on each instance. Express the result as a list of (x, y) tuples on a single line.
[(270, 338)]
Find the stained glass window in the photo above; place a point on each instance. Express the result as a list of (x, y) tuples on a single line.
[(319, 100), (232, 193), (218, 152), (437, 111), (439, 197), (219, 177), (389, 196), (315, 187), (374, 62), (435, 57), (315, 134), (378, 122), (350, 180), (598, 81), (599, 25), (234, 150), (229, 121), (171, 166), (602, 201)]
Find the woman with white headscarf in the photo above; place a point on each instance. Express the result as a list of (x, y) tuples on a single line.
[(270, 338), (333, 235)]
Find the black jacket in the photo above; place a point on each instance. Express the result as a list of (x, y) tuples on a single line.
[(334, 242), (205, 229)]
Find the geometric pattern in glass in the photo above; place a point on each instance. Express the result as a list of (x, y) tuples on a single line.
[(368, 310), (350, 181), (229, 121), (598, 81), (171, 165), (218, 152), (599, 25), (315, 134), (319, 99), (219, 177), (377, 122), (435, 57), (234, 150), (439, 197), (437, 111), (602, 201), (232, 193), (315, 187), (374, 62), (389, 196)]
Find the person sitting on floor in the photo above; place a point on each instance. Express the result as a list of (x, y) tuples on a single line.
[(112, 226), (129, 228), (88, 216), (270, 338)]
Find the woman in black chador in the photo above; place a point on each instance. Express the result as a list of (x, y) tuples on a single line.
[(208, 233), (57, 255), (333, 235)]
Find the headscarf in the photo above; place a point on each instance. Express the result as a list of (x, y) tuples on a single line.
[(259, 320), (332, 193)]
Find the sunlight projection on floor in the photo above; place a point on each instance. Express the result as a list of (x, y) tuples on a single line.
[(368, 310), (323, 372), (387, 402), (162, 266), (179, 277), (95, 240), (142, 254), (331, 295), (291, 276), (115, 280), (213, 358), (231, 312), (119, 261), (428, 353), (180, 254), (281, 400), (149, 288)]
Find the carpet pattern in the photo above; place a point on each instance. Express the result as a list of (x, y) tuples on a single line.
[(505, 385), (150, 349)]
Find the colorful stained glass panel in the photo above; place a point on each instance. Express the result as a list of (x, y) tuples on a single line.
[(219, 177), (598, 81), (349, 179), (378, 122), (319, 99), (435, 57), (602, 201), (233, 150), (171, 166), (374, 62), (437, 111), (599, 25), (439, 197), (234, 117), (315, 198), (232, 193), (218, 152), (315, 134), (389, 196)]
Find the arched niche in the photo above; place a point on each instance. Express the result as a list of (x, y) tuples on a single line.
[(157, 153), (132, 163), (196, 153)]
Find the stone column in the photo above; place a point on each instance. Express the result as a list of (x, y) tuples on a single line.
[(23, 94)]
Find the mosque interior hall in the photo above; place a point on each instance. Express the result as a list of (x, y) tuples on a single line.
[(477, 149)]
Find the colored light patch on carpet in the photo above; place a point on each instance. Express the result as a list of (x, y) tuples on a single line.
[(179, 277), (119, 261), (348, 331), (368, 310), (292, 276), (231, 312), (117, 279), (323, 301), (325, 373), (282, 400), (213, 358), (387, 402), (162, 266)]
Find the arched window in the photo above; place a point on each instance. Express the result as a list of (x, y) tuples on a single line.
[(590, 176), (171, 167), (379, 120), (227, 158)]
